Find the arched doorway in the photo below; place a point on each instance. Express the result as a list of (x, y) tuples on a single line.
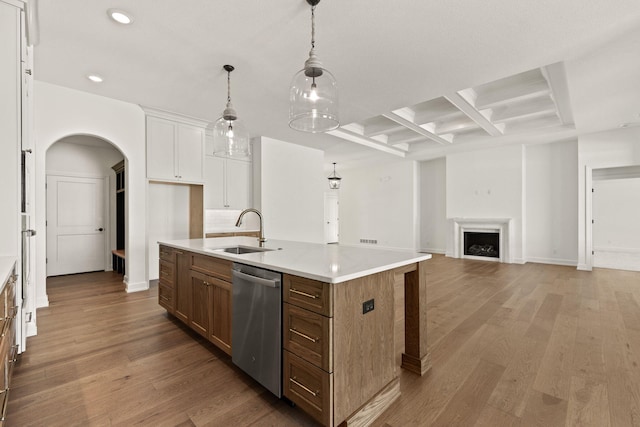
[(81, 193)]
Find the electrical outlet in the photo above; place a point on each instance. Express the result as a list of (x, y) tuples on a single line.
[(367, 306)]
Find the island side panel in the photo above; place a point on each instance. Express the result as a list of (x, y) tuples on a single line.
[(363, 343), (416, 357)]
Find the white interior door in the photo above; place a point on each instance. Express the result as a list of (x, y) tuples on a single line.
[(75, 225), (331, 218)]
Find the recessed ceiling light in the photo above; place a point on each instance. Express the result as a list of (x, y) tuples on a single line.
[(95, 78), (120, 16)]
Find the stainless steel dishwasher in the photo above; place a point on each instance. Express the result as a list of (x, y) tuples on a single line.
[(256, 329)]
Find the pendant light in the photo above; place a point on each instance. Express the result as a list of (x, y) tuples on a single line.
[(313, 96), (230, 137), (334, 179)]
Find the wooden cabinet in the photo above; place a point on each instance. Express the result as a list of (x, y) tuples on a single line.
[(8, 347), (221, 303), (227, 183), (175, 147), (182, 289), (307, 334), (201, 293), (201, 307)]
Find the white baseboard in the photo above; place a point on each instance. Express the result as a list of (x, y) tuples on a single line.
[(553, 261), (519, 261), (583, 267), (42, 301), (32, 329), (434, 251), (136, 287)]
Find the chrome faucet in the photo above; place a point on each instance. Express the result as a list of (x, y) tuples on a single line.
[(261, 239)]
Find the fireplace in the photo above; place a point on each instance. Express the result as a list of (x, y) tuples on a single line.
[(486, 239), (485, 244)]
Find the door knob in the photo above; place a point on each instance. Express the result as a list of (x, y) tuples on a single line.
[(100, 229)]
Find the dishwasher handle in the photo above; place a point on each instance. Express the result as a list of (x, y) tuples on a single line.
[(272, 283)]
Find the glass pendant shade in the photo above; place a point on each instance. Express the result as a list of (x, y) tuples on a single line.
[(231, 139), (334, 179), (313, 96), (313, 101)]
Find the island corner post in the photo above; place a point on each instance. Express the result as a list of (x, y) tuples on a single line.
[(416, 357)]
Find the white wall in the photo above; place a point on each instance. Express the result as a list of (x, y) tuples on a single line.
[(289, 186), (616, 228), (552, 203), (168, 219), (433, 206), (60, 112), (488, 184), (69, 157), (616, 212), (380, 203), (601, 150)]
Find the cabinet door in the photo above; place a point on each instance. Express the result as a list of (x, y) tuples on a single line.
[(190, 151), (161, 149), (238, 180), (221, 316), (214, 197), (183, 287), (200, 303)]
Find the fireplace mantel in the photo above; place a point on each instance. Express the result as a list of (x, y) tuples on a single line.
[(503, 226)]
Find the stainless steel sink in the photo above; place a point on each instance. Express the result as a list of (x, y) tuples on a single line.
[(239, 250)]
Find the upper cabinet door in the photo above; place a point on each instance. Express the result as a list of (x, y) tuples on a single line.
[(175, 147), (190, 153), (161, 149), (214, 197)]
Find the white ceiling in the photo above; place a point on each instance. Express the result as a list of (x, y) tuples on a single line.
[(457, 63)]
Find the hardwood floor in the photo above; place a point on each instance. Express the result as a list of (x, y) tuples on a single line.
[(512, 345)]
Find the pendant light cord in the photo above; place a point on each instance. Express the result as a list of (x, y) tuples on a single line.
[(228, 86), (313, 27)]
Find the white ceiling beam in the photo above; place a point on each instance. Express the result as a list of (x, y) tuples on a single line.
[(367, 142), (510, 94), (397, 116), (556, 76), (461, 124), (464, 100)]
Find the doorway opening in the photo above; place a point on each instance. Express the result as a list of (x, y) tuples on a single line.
[(82, 209), (331, 217)]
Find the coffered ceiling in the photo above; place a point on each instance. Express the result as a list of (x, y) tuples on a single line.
[(527, 101), (417, 79)]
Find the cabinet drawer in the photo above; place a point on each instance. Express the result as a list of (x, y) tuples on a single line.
[(309, 294), (306, 334), (216, 267), (167, 254), (308, 387), (165, 297), (167, 270)]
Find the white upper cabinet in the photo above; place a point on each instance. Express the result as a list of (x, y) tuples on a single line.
[(227, 183), (175, 147)]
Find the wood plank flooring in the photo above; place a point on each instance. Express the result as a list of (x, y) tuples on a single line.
[(512, 345)]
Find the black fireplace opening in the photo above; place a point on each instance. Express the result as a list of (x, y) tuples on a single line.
[(482, 244)]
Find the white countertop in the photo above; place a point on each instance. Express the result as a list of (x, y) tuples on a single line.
[(327, 263), (6, 268)]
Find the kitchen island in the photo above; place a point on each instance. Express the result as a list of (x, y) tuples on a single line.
[(338, 316)]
